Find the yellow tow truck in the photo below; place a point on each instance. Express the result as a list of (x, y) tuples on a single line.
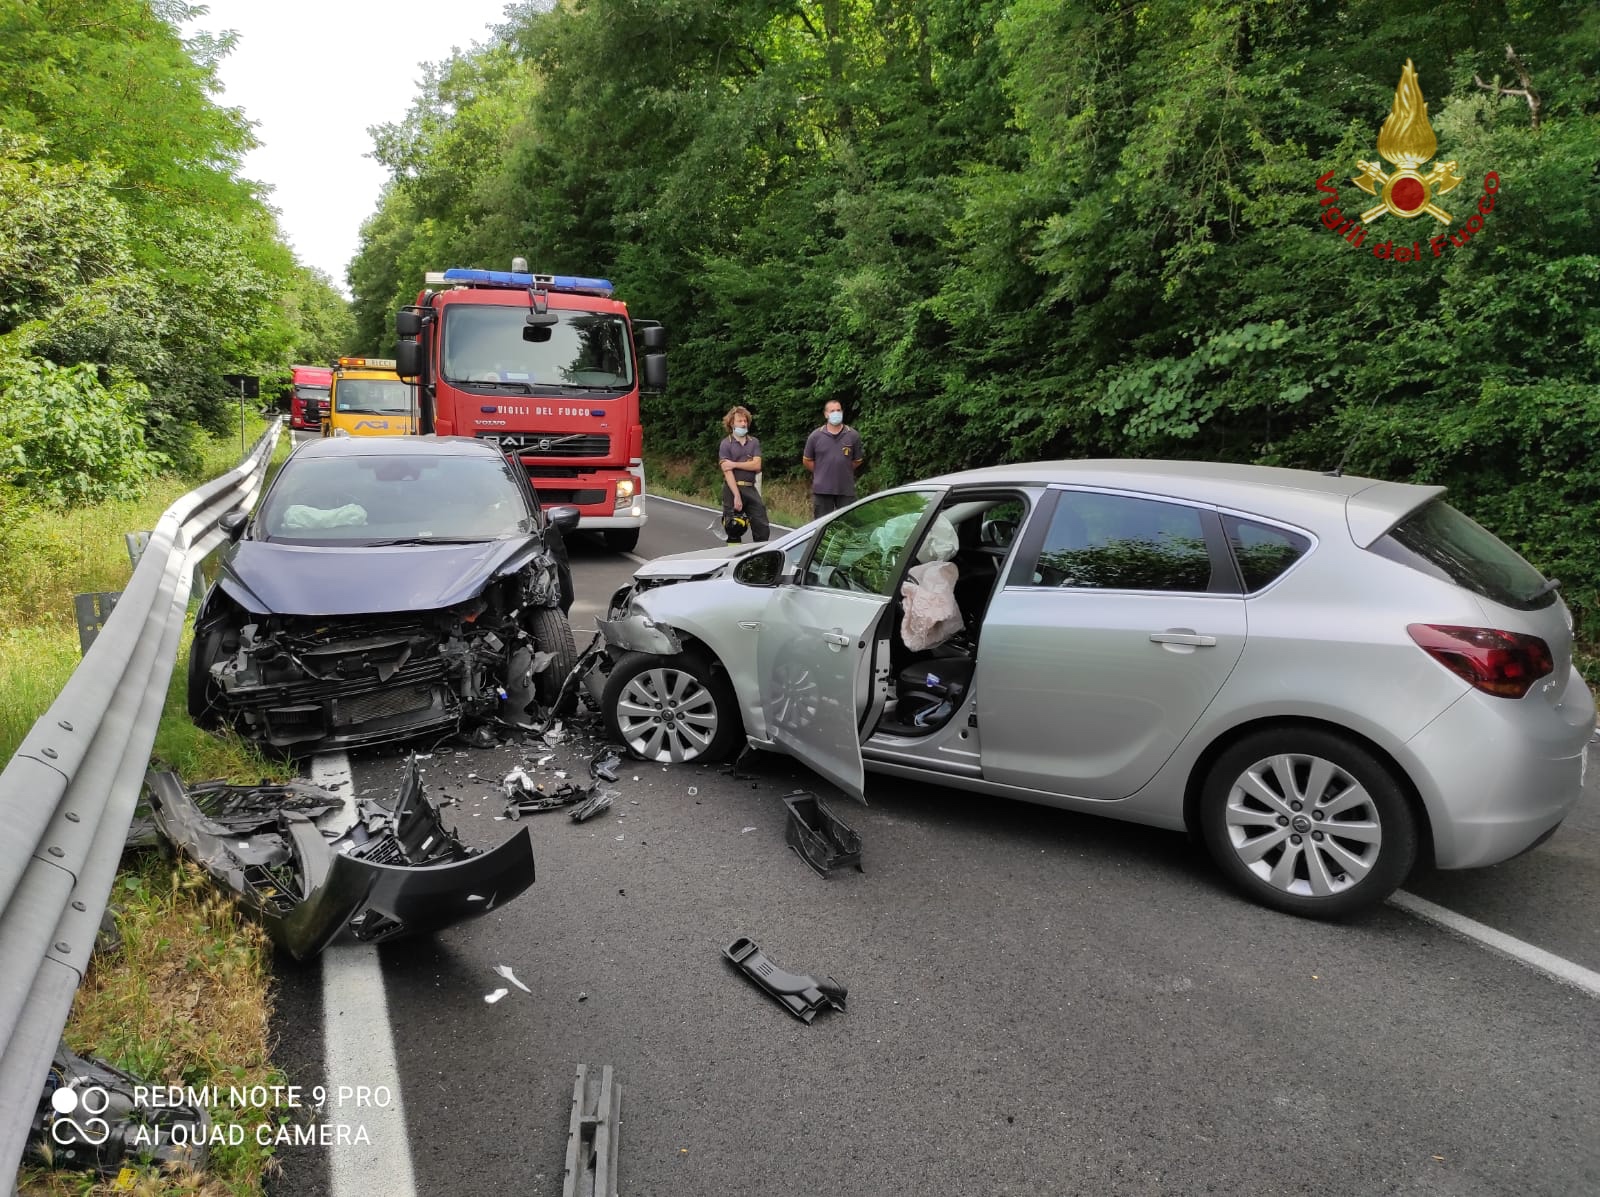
[(369, 400)]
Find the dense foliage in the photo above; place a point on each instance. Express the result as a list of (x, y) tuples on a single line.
[(1006, 229), (136, 266)]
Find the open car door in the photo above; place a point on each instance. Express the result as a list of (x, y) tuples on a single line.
[(814, 654)]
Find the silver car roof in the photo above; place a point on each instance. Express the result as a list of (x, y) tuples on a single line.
[(1370, 507)]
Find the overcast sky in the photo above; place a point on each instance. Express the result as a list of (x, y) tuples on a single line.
[(313, 75)]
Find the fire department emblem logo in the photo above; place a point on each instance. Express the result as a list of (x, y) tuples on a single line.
[(1407, 141)]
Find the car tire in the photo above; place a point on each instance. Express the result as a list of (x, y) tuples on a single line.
[(706, 725), (1309, 822), (552, 633), (623, 540), (205, 696)]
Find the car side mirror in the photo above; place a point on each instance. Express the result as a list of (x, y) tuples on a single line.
[(232, 523), (563, 518), (760, 569)]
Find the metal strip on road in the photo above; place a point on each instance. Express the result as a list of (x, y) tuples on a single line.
[(1549, 963), (359, 1052)]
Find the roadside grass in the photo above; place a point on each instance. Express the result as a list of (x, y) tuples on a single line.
[(182, 1001), (186, 998)]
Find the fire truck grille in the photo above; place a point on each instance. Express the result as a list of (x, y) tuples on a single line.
[(554, 444)]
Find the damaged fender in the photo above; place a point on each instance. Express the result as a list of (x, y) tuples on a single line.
[(637, 632)]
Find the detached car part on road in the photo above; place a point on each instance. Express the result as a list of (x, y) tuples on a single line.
[(398, 871), (385, 589), (1324, 678)]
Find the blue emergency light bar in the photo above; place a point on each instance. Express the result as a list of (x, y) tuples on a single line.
[(546, 282)]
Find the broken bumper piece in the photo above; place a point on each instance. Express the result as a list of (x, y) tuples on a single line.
[(799, 995), (818, 836), (398, 871)]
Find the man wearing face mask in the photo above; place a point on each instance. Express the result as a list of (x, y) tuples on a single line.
[(740, 457), (833, 455)]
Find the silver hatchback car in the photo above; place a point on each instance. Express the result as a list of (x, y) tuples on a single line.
[(1325, 678)]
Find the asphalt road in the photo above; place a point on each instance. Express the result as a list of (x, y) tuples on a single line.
[(1040, 1003)]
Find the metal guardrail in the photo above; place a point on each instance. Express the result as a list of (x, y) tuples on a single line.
[(67, 796)]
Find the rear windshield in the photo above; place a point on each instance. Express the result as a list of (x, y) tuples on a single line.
[(1441, 542)]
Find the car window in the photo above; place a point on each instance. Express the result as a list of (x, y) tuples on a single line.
[(1438, 540), (1118, 542), (860, 549), (357, 499), (1262, 551)]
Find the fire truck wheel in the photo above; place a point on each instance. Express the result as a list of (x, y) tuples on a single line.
[(622, 540)]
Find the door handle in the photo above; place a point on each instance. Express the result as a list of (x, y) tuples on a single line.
[(837, 638), (1183, 638)]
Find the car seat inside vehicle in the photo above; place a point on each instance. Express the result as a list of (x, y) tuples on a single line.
[(930, 684)]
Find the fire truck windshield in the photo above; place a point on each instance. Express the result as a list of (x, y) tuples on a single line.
[(483, 344), (377, 396)]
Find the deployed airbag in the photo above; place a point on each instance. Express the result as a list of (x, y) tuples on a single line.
[(931, 615)]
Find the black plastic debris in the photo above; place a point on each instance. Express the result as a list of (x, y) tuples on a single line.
[(88, 1119), (818, 836), (596, 804), (605, 763), (539, 800), (398, 871), (801, 996)]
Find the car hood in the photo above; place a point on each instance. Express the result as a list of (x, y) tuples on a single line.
[(698, 563), (281, 579)]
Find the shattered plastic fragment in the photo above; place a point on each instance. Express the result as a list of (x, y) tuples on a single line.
[(801, 996), (605, 763), (820, 838), (596, 804), (693, 790), (505, 971), (494, 997), (747, 831)]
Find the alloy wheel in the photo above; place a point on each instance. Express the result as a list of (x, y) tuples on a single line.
[(667, 715), (1303, 825)]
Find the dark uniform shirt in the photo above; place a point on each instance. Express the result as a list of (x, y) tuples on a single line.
[(732, 450), (836, 455)]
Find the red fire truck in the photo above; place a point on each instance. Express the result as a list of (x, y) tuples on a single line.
[(308, 396), (548, 365)]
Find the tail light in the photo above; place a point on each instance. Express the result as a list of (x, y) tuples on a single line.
[(1505, 664)]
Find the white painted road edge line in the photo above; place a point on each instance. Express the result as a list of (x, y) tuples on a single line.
[(655, 498), (1549, 963), (358, 1051)]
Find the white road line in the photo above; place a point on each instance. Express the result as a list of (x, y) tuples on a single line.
[(655, 498), (1549, 963), (359, 1051)]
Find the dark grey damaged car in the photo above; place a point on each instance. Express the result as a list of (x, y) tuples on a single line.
[(386, 588)]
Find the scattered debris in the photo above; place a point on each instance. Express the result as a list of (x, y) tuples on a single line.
[(539, 801), (397, 871), (518, 782), (494, 997), (595, 804), (479, 735), (505, 971), (89, 1117), (605, 763), (693, 790), (746, 831), (818, 836), (801, 996), (582, 996), (555, 735), (592, 1135)]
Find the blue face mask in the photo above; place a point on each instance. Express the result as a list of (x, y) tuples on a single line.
[(836, 418), (740, 430)]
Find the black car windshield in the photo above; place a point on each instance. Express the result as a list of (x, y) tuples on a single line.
[(378, 396), (484, 344), (391, 497)]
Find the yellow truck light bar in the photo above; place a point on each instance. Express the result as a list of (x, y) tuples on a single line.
[(366, 363)]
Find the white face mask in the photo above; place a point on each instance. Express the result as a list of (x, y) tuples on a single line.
[(740, 431), (836, 418)]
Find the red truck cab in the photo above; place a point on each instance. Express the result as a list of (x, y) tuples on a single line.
[(309, 391), (547, 365)]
